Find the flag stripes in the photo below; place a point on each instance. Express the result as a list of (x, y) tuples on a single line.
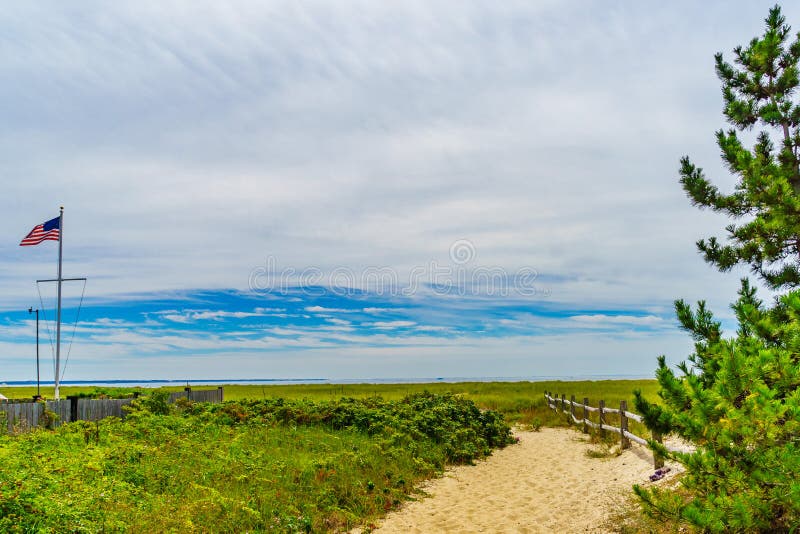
[(48, 231)]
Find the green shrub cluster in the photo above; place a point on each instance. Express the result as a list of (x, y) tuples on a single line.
[(459, 429), (740, 404), (248, 466), (100, 392)]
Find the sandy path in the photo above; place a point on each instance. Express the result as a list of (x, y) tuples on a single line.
[(546, 483)]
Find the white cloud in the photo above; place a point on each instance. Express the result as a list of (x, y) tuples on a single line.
[(322, 309), (602, 319), (391, 324), (190, 141), (432, 328), (189, 316)]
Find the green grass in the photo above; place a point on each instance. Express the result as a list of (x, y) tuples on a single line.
[(494, 395), (520, 402), (242, 466), (282, 461)]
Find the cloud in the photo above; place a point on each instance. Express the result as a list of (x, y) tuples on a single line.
[(602, 319), (190, 316), (432, 328), (322, 309), (195, 144), (388, 325)]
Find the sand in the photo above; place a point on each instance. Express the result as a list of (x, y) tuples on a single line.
[(546, 483)]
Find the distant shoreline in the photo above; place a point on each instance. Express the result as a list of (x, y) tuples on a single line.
[(292, 381)]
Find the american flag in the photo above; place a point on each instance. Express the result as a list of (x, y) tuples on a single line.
[(48, 231)]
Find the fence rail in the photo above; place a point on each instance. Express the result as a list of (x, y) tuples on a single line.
[(626, 436), (22, 416)]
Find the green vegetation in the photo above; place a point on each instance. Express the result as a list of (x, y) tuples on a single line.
[(738, 399), (519, 402), (759, 90), (260, 465), (282, 458), (84, 392), (741, 406)]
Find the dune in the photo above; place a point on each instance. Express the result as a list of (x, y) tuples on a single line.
[(545, 483)]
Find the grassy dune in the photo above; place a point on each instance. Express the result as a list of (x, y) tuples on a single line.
[(272, 465), (518, 401), (294, 458)]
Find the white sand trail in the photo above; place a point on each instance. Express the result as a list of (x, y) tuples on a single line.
[(546, 483)]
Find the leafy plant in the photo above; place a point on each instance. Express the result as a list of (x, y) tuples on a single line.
[(272, 465), (48, 418), (157, 402)]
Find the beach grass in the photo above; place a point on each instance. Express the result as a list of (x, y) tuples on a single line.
[(507, 397), (215, 464), (271, 465), (519, 402)]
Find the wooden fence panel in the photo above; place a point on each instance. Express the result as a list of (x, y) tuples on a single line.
[(208, 395), (21, 416), (61, 409), (178, 395), (96, 409)]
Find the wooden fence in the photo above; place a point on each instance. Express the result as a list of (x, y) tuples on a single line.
[(202, 395), (21, 416), (622, 415)]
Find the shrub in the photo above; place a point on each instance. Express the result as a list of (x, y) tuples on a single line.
[(248, 466), (739, 402), (48, 418)]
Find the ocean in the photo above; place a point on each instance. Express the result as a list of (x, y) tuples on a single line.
[(130, 383)]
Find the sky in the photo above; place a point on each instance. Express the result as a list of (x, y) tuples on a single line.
[(355, 190)]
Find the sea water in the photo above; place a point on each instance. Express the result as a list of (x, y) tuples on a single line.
[(130, 383)]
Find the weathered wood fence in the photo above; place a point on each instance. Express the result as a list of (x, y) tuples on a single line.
[(201, 395), (21, 416), (622, 415)]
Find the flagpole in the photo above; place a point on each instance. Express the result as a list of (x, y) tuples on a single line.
[(58, 313)]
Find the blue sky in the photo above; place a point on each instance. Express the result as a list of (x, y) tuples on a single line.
[(360, 189)]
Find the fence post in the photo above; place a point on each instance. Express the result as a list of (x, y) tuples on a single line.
[(188, 391), (624, 442), (221, 393), (585, 415), (73, 408), (658, 460), (563, 402), (601, 406), (572, 409)]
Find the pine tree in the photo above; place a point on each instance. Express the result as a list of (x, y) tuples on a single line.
[(739, 403), (738, 399), (759, 89)]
